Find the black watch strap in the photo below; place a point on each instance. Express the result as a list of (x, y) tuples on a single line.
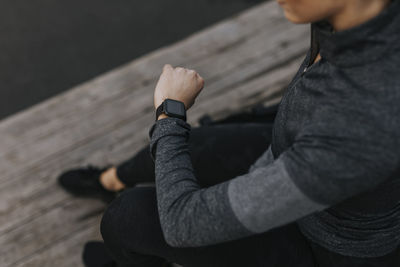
[(159, 110)]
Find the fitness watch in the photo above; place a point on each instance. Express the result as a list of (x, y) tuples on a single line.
[(172, 108)]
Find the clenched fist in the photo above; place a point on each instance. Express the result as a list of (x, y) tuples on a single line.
[(178, 84)]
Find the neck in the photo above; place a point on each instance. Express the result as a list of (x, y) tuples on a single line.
[(355, 13)]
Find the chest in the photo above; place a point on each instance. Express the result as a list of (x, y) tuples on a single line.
[(309, 93)]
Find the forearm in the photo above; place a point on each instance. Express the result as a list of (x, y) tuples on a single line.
[(189, 215)]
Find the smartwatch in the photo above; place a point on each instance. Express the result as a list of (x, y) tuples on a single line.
[(172, 108)]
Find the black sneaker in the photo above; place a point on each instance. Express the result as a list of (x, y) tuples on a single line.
[(85, 182)]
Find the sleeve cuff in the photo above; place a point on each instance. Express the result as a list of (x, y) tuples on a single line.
[(167, 127)]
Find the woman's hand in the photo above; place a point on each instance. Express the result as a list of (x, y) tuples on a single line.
[(178, 84)]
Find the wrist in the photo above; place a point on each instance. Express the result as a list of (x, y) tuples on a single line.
[(162, 116), (171, 108)]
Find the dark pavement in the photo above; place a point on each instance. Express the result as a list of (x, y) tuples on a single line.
[(49, 46)]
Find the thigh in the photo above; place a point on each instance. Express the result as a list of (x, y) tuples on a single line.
[(133, 219), (219, 152), (222, 152)]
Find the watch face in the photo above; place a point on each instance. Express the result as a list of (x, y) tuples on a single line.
[(175, 107)]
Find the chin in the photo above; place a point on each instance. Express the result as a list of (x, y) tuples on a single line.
[(296, 19)]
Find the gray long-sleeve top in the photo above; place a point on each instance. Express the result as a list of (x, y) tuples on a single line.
[(333, 164)]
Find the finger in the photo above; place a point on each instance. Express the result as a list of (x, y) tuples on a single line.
[(201, 80), (167, 67), (198, 75), (192, 72)]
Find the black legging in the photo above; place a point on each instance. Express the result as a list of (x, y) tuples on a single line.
[(131, 227)]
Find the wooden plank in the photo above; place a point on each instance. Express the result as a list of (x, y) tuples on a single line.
[(42, 232), (247, 59), (65, 253), (143, 70), (95, 107), (92, 124)]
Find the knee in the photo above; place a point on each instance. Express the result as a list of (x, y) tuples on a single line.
[(130, 219)]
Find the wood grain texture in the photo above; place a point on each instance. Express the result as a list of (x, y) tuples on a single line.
[(245, 60)]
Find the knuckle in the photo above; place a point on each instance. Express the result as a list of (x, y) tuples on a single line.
[(201, 79)]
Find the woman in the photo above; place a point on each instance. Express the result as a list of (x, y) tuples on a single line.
[(324, 193)]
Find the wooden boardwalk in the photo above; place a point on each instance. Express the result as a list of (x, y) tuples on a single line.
[(244, 60)]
